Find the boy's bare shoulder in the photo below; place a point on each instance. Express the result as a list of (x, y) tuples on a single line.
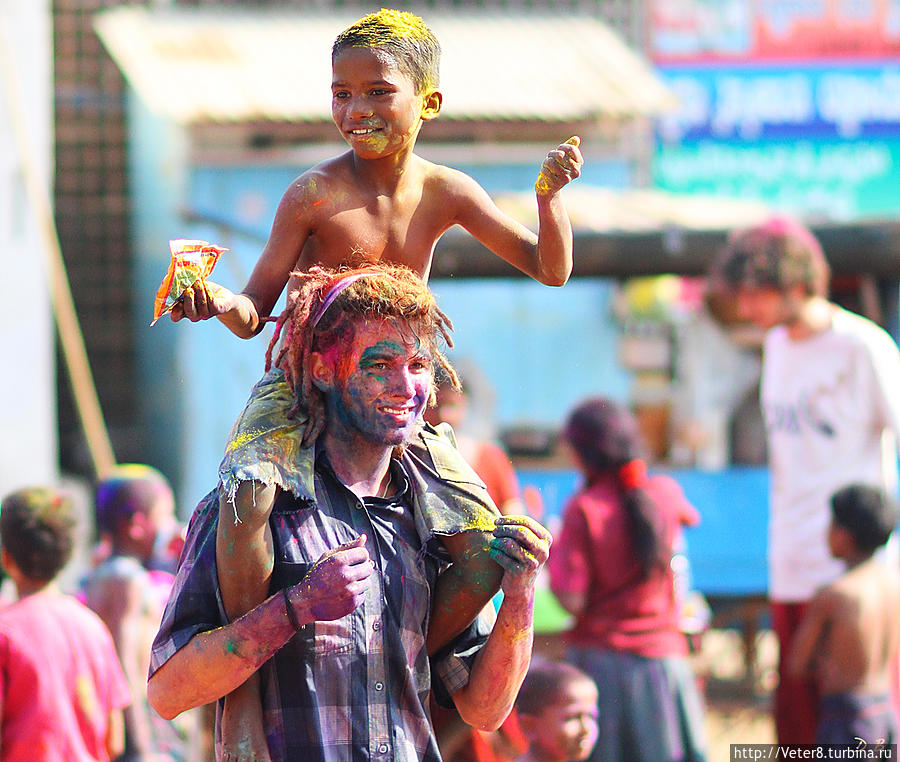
[(444, 179), (318, 184), (831, 595)]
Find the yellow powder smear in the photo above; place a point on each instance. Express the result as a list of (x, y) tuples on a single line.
[(542, 185), (388, 24), (379, 29)]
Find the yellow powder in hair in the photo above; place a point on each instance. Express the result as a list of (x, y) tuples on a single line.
[(388, 24)]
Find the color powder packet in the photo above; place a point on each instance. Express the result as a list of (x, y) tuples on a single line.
[(191, 261)]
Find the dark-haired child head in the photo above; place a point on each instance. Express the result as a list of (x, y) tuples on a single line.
[(557, 707), (862, 519)]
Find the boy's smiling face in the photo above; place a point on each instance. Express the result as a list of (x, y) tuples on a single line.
[(566, 728), (374, 102)]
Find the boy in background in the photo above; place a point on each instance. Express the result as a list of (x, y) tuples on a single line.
[(848, 638), (557, 706), (136, 522), (62, 689)]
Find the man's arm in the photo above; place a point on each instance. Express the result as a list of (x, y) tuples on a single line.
[(808, 634), (521, 546), (215, 662), (546, 257)]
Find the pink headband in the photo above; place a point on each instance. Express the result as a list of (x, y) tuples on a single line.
[(341, 283)]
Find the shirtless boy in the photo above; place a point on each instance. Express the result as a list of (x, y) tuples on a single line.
[(851, 630), (379, 201)]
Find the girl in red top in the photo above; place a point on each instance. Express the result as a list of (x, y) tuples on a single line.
[(610, 568)]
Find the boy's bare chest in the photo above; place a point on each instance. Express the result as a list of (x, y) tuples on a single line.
[(378, 232)]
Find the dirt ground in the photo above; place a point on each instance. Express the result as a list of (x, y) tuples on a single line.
[(737, 700)]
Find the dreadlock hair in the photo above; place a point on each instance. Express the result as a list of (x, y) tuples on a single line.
[(606, 437), (323, 311)]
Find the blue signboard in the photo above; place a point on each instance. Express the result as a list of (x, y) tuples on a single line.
[(778, 102)]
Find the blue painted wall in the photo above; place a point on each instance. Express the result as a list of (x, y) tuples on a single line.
[(727, 551)]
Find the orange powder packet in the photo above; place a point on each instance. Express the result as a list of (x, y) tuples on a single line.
[(192, 261)]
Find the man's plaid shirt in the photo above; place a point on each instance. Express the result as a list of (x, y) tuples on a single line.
[(356, 688)]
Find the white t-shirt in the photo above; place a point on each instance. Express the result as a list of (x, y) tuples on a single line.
[(831, 404)]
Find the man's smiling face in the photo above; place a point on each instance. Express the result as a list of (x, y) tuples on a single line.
[(379, 383)]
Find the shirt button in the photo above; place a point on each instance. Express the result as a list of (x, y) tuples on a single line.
[(376, 626), (379, 686), (383, 748)]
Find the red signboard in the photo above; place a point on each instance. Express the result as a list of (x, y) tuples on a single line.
[(768, 30)]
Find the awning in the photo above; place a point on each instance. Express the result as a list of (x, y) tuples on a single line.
[(224, 66)]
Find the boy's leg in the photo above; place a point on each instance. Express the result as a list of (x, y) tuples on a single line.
[(244, 560), (796, 699)]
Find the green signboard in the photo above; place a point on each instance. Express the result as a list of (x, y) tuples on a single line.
[(835, 179)]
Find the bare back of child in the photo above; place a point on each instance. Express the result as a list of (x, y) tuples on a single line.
[(859, 630), (850, 634)]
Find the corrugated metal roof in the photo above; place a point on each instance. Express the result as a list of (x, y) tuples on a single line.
[(198, 66)]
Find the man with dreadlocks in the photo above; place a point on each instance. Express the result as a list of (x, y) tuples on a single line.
[(359, 525)]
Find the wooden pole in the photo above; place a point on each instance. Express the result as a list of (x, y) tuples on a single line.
[(67, 326)]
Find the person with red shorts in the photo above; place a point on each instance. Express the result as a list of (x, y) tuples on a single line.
[(829, 400)]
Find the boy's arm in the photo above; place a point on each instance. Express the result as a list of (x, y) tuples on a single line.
[(808, 634), (243, 313), (463, 589), (115, 733), (521, 546), (546, 257)]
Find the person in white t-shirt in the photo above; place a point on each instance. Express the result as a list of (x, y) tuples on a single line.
[(830, 396)]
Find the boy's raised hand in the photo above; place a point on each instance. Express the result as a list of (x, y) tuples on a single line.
[(202, 301), (562, 165), (521, 546)]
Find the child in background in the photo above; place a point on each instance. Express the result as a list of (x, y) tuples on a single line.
[(137, 524), (557, 707), (377, 202), (849, 635), (62, 689), (610, 567)]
